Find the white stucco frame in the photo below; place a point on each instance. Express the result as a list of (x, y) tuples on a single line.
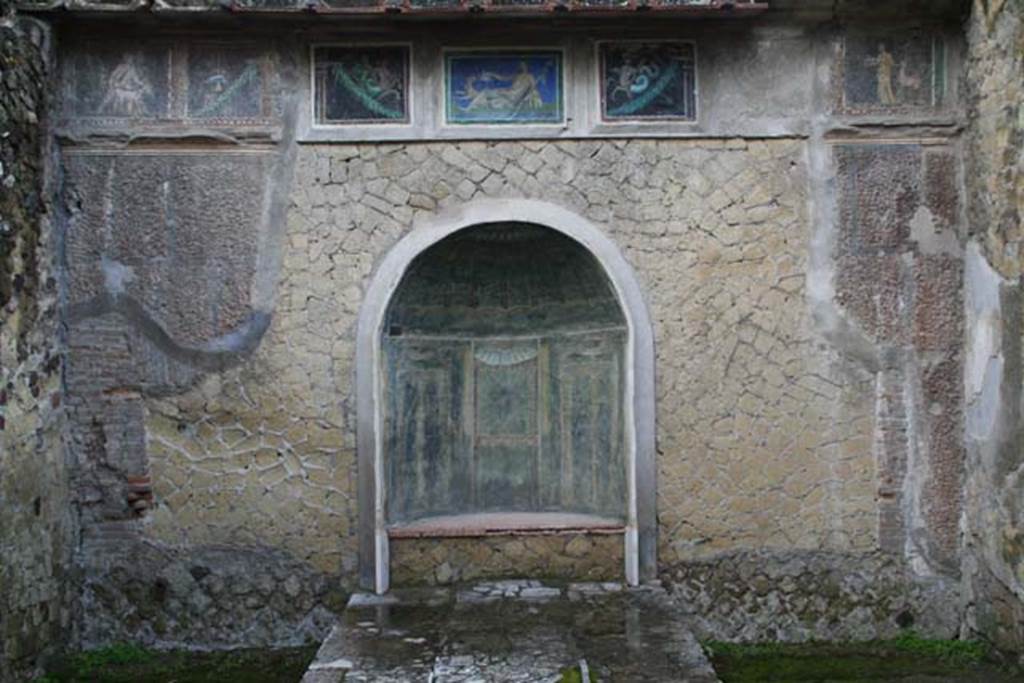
[(640, 537)]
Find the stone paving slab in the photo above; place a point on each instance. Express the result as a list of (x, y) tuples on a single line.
[(519, 631)]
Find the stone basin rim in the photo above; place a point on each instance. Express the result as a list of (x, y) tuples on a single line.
[(506, 524)]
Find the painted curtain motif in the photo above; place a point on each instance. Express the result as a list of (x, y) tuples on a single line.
[(654, 81), (504, 87), (362, 84), (225, 83), (888, 72)]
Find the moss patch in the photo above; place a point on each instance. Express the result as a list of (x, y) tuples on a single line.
[(124, 663), (908, 657)]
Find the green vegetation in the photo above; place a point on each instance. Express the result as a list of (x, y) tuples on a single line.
[(574, 675), (120, 654), (908, 657), (955, 651), (129, 663)]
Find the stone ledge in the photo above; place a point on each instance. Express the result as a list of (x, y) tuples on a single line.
[(506, 524)]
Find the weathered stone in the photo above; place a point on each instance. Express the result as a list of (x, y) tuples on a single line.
[(938, 305), (831, 596), (37, 522), (622, 636), (880, 193)]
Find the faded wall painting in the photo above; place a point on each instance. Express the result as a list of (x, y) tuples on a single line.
[(361, 84), (225, 82), (167, 84), (524, 87), (118, 82), (648, 80), (893, 72), (495, 401)]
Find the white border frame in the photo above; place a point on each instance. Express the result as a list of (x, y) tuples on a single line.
[(410, 92), (600, 122)]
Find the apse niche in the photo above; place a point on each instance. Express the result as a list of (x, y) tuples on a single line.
[(504, 383)]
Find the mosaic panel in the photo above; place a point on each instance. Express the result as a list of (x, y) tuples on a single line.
[(225, 83), (428, 469), (893, 72), (583, 467), (361, 84), (505, 383), (118, 82), (648, 81), (504, 379), (486, 425), (504, 87), (506, 424)]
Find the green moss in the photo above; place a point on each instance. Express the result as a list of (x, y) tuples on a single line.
[(124, 663), (91, 661), (905, 656), (957, 651), (574, 675)]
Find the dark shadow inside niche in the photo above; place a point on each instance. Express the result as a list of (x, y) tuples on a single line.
[(504, 356)]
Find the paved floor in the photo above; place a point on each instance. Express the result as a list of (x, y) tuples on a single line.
[(511, 631)]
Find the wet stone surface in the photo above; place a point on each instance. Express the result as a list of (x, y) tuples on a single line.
[(506, 631)]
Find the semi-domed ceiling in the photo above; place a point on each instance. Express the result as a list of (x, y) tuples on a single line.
[(503, 279)]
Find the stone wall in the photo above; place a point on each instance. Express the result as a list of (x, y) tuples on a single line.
[(763, 596), (432, 561), (993, 545), (754, 415), (36, 523), (804, 288)]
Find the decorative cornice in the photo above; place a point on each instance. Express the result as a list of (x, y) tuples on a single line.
[(431, 8)]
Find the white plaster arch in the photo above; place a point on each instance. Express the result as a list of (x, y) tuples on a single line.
[(641, 525)]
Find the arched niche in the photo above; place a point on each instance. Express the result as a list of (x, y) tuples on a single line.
[(494, 305)]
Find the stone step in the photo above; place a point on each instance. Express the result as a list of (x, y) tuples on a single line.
[(510, 632)]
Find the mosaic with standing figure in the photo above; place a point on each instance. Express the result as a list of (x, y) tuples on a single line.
[(890, 72)]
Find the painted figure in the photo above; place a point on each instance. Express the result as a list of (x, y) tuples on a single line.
[(633, 77), (377, 87), (127, 90), (521, 93), (215, 86), (886, 65), (908, 80), (651, 80), (383, 81)]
